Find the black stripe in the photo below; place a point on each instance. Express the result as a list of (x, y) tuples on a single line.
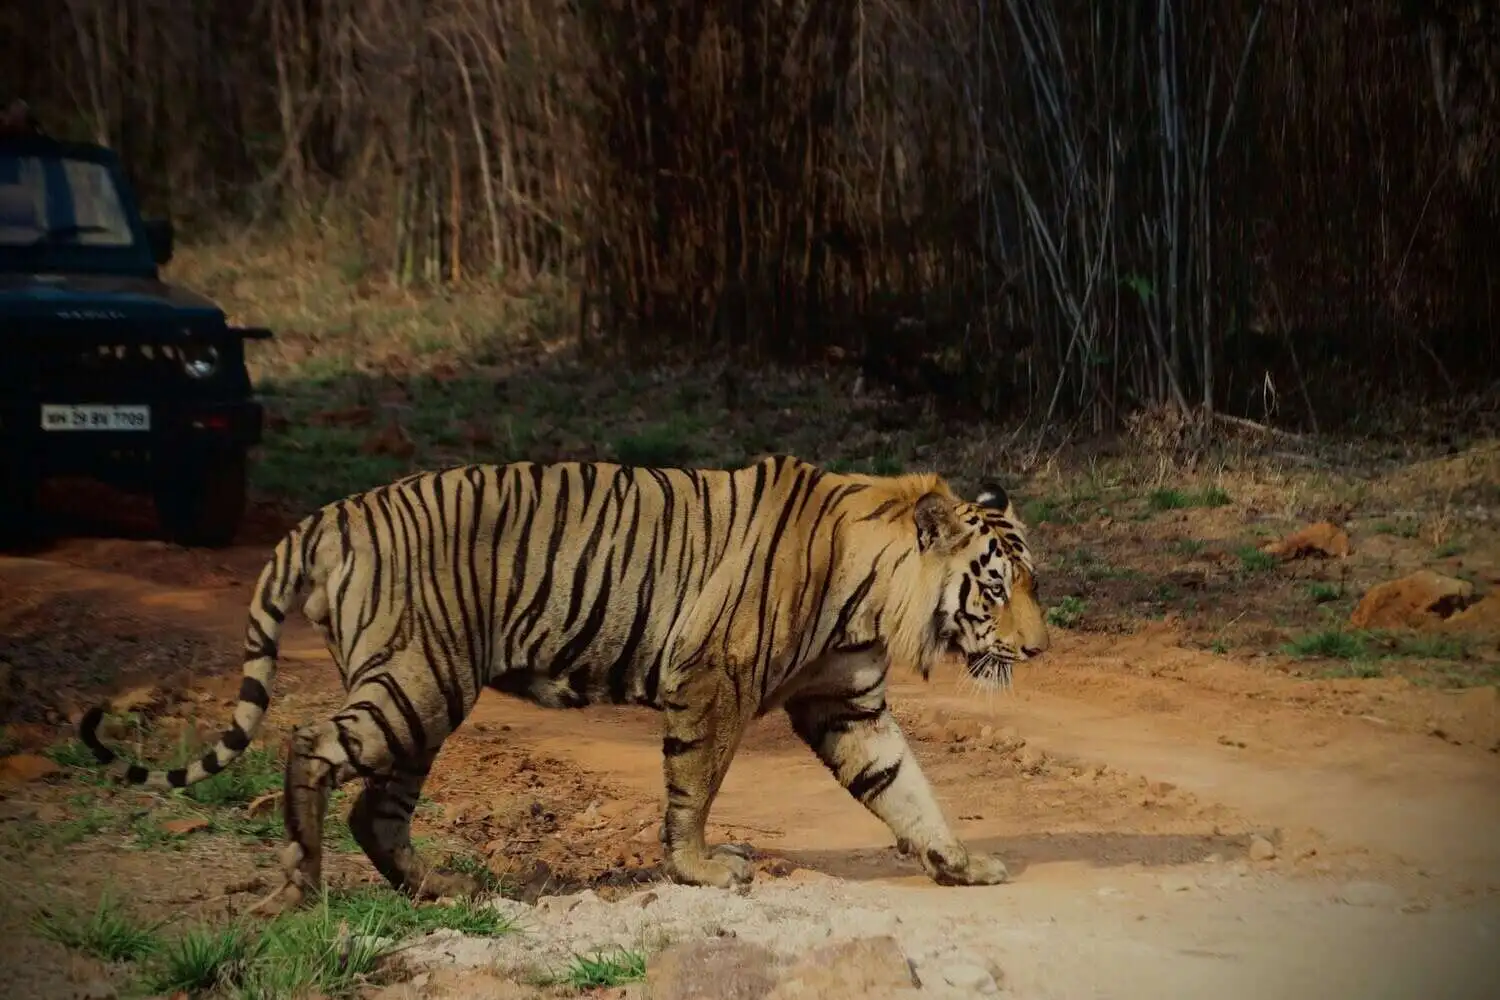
[(843, 722), (870, 782), (137, 775), (618, 673), (765, 619), (568, 655), (480, 667), (852, 604), (235, 739), (210, 763), (254, 692), (444, 626), (671, 746), (881, 511), (811, 576), (401, 701)]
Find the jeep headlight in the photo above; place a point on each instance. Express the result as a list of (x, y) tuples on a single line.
[(200, 361)]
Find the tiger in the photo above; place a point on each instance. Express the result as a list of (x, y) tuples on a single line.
[(714, 596)]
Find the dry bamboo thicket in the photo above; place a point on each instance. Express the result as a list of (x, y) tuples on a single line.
[(1071, 206)]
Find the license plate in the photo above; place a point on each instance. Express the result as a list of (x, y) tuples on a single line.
[(95, 417)]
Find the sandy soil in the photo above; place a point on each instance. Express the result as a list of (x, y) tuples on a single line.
[(1123, 781)]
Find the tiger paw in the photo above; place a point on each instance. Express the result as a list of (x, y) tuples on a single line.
[(976, 869), (725, 868), (446, 885), (289, 897), (744, 852)]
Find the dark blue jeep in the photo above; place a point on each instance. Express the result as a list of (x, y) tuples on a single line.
[(106, 371)]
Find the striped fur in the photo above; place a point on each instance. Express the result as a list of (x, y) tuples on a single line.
[(714, 596)]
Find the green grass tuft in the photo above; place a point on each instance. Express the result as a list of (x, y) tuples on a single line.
[(1066, 612), (331, 948), (600, 971), (257, 772), (74, 756), (1322, 593), (1165, 499), (1253, 560), (110, 932), (203, 959), (1330, 645)]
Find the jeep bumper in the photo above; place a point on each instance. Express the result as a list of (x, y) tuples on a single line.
[(62, 437)]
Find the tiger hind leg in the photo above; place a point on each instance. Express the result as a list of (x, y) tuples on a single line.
[(381, 824), (316, 765), (861, 743), (357, 743)]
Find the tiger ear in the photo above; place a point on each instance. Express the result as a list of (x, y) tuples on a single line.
[(936, 525), (992, 494)]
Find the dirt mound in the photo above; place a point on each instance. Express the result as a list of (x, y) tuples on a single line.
[(1323, 539), (1481, 619), (1420, 600)]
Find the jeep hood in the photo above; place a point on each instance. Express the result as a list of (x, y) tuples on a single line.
[(98, 297)]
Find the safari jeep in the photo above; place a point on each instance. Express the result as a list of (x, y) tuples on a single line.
[(106, 371)]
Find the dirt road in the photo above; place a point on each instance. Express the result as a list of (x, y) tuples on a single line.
[(1125, 782)]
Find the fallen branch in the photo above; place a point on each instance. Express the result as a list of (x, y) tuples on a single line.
[(1251, 425)]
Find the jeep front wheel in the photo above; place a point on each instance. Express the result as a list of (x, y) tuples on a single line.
[(200, 499)]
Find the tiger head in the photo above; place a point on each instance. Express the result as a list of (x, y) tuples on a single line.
[(987, 608)]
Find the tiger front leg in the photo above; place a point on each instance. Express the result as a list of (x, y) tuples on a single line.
[(865, 749), (699, 742)]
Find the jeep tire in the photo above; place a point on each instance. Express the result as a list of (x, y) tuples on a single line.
[(200, 497)]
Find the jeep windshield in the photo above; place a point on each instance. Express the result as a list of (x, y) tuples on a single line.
[(61, 212)]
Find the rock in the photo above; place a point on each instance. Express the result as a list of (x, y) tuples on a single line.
[(137, 699), (715, 969), (1367, 894), (23, 768), (557, 907), (971, 978), (449, 948), (1261, 849), (1322, 539), (849, 970), (512, 909), (1418, 600)]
